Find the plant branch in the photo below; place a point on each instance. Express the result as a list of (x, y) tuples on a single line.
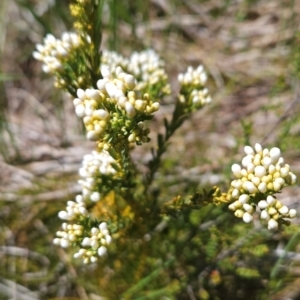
[(178, 118)]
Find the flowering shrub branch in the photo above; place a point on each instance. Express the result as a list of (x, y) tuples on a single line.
[(116, 97)]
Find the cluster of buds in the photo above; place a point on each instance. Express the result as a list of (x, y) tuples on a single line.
[(95, 244), (55, 51), (112, 60), (147, 68), (262, 174), (120, 90), (70, 233), (88, 107), (74, 209), (193, 91), (272, 209), (96, 167), (114, 107)]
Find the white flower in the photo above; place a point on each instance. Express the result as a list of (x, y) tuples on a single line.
[(73, 210), (272, 224), (194, 79), (94, 166), (263, 172), (55, 51)]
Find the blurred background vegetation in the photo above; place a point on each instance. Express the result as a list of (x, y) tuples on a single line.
[(251, 51)]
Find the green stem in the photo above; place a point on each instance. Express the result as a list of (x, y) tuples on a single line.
[(96, 36), (178, 118)]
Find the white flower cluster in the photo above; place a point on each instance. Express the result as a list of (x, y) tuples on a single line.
[(54, 51), (115, 90), (94, 167), (74, 209), (194, 81), (120, 90), (112, 60), (272, 210), (195, 77), (263, 173), (146, 66), (69, 234), (95, 244), (149, 69), (200, 97), (87, 107), (92, 245)]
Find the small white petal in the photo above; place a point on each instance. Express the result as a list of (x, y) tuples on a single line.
[(292, 213), (92, 135), (81, 94), (64, 215), (83, 211), (264, 215), (246, 160), (102, 251), (262, 187), (235, 193), (92, 94), (248, 208), (86, 242), (250, 187), (272, 169), (266, 161), (129, 81), (260, 171), (258, 148), (250, 167), (280, 161), (239, 213), (94, 259), (80, 111), (275, 154), (94, 244), (263, 204), (293, 178), (247, 218), (284, 172), (272, 224), (103, 226), (101, 113), (108, 239), (232, 207), (244, 198), (64, 243), (130, 109), (95, 196), (256, 180), (236, 170), (56, 241), (248, 150), (111, 89), (106, 72), (283, 210), (101, 84), (277, 186)]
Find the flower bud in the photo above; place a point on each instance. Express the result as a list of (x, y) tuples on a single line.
[(247, 218), (272, 224)]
